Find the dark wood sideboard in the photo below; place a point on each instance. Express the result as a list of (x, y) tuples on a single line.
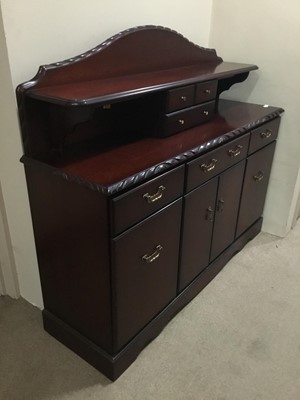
[(142, 185)]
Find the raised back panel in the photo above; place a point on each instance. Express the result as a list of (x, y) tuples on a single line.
[(136, 50), (114, 93)]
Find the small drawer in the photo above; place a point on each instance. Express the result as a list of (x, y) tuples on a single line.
[(206, 91), (135, 205), (180, 98), (263, 135), (188, 118), (211, 164)]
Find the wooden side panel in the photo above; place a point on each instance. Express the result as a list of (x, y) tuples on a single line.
[(257, 176), (71, 234), (199, 207), (227, 207)]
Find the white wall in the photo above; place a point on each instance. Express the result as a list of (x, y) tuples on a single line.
[(267, 33), (44, 31), (9, 284), (11, 177)]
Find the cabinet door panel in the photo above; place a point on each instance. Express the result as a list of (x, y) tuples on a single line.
[(145, 271), (257, 176), (227, 207), (199, 207)]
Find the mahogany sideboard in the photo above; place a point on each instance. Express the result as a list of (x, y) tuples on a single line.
[(142, 185)]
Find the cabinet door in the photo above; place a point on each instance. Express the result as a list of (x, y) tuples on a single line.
[(145, 271), (257, 176), (199, 206), (227, 207)]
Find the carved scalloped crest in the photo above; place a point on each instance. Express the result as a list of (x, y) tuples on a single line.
[(119, 35), (50, 74)]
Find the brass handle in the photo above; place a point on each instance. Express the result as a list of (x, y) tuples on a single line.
[(152, 257), (266, 134), (205, 112), (151, 198), (259, 176), (183, 98), (209, 167), (220, 206), (207, 91), (181, 121), (236, 151), (209, 214)]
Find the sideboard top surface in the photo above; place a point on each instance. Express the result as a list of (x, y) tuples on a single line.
[(120, 87), (115, 169)]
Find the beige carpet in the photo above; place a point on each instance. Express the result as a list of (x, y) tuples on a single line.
[(238, 340)]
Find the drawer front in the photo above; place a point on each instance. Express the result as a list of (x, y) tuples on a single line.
[(188, 118), (145, 271), (180, 98), (263, 135), (135, 205), (211, 164), (206, 91)]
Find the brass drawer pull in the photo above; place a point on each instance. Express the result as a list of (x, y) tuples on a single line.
[(207, 91), (152, 257), (205, 113), (266, 134), (259, 176), (151, 198), (209, 214), (236, 151), (209, 167), (181, 121), (183, 98)]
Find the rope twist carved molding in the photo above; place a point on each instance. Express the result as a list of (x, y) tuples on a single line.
[(155, 170), (116, 37), (44, 70)]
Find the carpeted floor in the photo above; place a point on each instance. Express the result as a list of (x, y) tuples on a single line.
[(238, 340)]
